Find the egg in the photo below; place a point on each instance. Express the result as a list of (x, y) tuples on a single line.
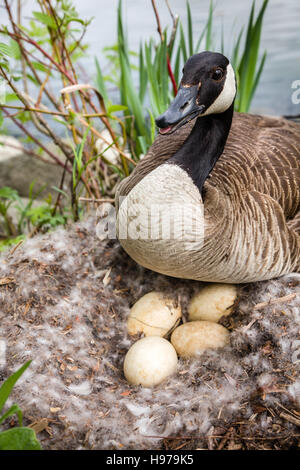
[(212, 302), (194, 337), (154, 314), (149, 361)]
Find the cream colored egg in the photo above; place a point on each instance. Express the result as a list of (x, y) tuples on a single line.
[(194, 337), (212, 302), (149, 361), (153, 315)]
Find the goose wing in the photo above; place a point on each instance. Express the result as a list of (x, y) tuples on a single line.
[(262, 154), (257, 183)]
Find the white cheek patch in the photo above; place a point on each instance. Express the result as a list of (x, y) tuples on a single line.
[(226, 97)]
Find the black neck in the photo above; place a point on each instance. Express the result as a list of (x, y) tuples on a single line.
[(204, 146)]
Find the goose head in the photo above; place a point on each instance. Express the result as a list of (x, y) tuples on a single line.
[(208, 86)]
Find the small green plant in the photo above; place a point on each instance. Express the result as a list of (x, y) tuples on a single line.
[(27, 216), (78, 169), (38, 57), (8, 197), (21, 437), (247, 69)]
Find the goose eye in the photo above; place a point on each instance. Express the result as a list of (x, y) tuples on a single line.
[(217, 74)]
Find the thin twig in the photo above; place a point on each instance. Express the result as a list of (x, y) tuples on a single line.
[(23, 129), (87, 199), (40, 123), (290, 418), (23, 61), (47, 111), (35, 110), (237, 437), (175, 19), (162, 39), (278, 300)]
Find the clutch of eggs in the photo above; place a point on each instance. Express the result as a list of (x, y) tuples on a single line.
[(152, 359)]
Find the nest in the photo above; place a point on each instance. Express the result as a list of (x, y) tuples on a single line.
[(64, 301)]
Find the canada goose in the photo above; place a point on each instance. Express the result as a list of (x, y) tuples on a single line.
[(217, 197)]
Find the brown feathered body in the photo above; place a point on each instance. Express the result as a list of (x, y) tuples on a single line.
[(250, 205)]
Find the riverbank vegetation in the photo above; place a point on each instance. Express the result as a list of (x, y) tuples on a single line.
[(62, 114)]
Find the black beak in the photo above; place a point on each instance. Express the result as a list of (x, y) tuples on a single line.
[(183, 108)]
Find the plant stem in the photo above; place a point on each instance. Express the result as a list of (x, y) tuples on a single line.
[(170, 71)]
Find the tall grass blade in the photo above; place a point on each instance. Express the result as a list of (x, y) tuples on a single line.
[(257, 77), (190, 28), (236, 49), (177, 66), (9, 383), (208, 41), (247, 69), (182, 45), (129, 96), (222, 39), (197, 48), (142, 75), (100, 83)]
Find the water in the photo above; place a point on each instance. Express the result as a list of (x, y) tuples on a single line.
[(280, 37)]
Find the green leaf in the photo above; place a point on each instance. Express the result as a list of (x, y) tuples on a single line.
[(60, 191), (8, 242), (39, 66), (116, 107), (77, 20), (257, 77), (190, 28), (6, 50), (143, 75), (153, 81), (222, 39), (45, 19), (177, 66), (9, 383), (42, 215), (9, 193), (19, 439), (152, 120), (14, 409), (24, 116), (78, 154), (11, 97), (248, 62), (200, 39), (15, 49), (143, 144), (100, 82), (182, 44), (129, 96), (208, 41), (235, 54), (32, 79)]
